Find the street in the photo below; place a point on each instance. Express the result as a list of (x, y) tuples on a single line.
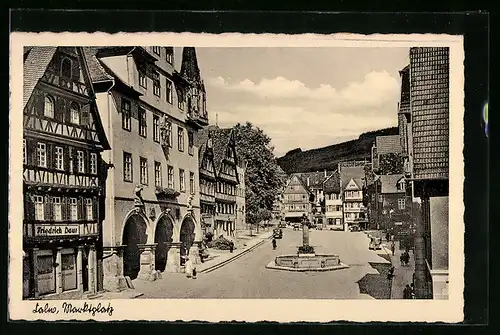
[(247, 277)]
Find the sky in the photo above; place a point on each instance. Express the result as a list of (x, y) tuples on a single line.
[(303, 97)]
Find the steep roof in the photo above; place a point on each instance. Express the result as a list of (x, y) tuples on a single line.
[(189, 65), (97, 71), (316, 179), (220, 140), (389, 183), (388, 144), (301, 181), (200, 140), (348, 173), (36, 61), (332, 183)]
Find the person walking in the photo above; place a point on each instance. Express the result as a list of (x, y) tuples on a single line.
[(274, 243), (189, 267), (393, 248), (231, 247)]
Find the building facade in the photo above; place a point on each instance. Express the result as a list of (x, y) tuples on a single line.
[(62, 175), (352, 180), (240, 196), (395, 205), (314, 182), (150, 112), (297, 200), (429, 165), (333, 202)]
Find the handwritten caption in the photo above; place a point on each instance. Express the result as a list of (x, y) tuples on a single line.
[(74, 308)]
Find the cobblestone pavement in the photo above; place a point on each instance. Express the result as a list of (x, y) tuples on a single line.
[(247, 277)]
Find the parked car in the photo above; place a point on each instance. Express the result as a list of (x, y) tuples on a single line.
[(354, 228), (277, 233), (296, 226)]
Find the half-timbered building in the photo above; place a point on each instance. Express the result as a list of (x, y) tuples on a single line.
[(62, 175)]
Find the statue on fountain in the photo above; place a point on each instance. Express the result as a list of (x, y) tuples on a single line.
[(305, 248)]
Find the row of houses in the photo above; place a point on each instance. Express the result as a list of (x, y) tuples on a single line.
[(405, 184), (122, 175)]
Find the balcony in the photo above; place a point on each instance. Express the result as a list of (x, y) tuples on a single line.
[(65, 83), (225, 197)]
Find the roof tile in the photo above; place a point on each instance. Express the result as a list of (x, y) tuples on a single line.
[(388, 144)]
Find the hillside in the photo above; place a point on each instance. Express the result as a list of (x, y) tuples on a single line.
[(328, 157)]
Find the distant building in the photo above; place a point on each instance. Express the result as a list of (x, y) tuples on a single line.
[(387, 155), (352, 179), (240, 196), (297, 200), (428, 157), (395, 206), (333, 202), (63, 176), (314, 183)]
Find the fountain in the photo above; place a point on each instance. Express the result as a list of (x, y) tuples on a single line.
[(306, 259)]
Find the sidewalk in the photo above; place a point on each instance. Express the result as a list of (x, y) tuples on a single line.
[(244, 244), (403, 275)]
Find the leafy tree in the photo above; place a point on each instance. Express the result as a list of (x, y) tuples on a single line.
[(263, 177)]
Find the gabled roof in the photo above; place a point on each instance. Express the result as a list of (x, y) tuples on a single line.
[(348, 173), (220, 140), (316, 179), (389, 183), (388, 144), (97, 71), (189, 66), (201, 140), (297, 175), (36, 61), (332, 183)]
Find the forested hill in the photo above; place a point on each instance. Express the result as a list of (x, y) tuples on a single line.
[(328, 157)]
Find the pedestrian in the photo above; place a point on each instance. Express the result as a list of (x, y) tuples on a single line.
[(189, 267), (274, 243), (406, 258), (412, 291), (402, 259), (194, 270), (231, 247), (392, 248), (406, 292), (387, 236), (391, 273)]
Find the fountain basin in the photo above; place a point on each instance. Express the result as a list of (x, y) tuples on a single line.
[(307, 262)]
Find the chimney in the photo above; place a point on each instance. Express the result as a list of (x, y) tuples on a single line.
[(325, 173), (307, 181)]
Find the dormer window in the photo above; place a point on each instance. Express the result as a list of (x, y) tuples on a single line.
[(74, 113), (401, 185), (66, 68)]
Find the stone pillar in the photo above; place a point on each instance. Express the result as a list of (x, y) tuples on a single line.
[(58, 271), (305, 235), (92, 270), (147, 262), (79, 275), (112, 263), (34, 259), (194, 253), (173, 257)]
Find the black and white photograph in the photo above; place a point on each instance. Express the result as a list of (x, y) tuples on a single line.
[(202, 171)]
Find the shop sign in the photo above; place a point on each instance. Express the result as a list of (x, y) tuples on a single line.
[(56, 230)]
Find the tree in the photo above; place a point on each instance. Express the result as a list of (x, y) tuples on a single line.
[(263, 177)]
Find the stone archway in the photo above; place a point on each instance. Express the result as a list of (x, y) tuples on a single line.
[(163, 237), (134, 233), (187, 236)]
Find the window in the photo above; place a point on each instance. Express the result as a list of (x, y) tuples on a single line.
[(190, 143), (182, 180), (191, 183), (81, 161), (56, 207), (157, 50), (401, 185), (180, 99), (156, 128), (74, 113), (158, 174), (143, 165), (66, 68), (126, 114), (127, 166), (93, 163), (143, 131), (48, 109), (180, 139), (41, 153), (170, 55), (25, 154), (73, 209), (143, 80), (39, 207), (156, 84), (170, 92), (89, 209), (170, 177), (168, 130), (401, 204), (59, 154)]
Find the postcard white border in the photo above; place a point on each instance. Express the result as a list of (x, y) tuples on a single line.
[(250, 310)]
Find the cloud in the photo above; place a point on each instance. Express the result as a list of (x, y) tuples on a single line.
[(304, 127), (373, 91)]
